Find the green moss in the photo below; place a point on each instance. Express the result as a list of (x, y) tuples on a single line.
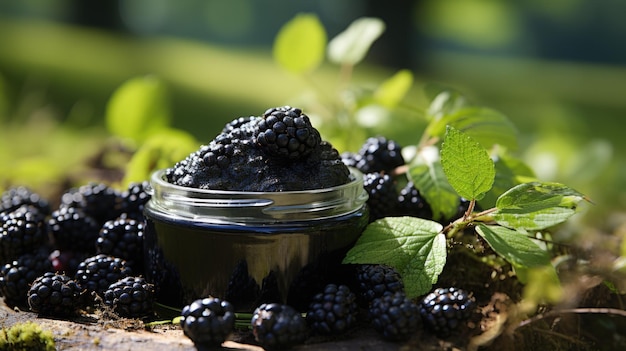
[(27, 336)]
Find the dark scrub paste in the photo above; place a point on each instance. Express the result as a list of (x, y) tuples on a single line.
[(264, 213)]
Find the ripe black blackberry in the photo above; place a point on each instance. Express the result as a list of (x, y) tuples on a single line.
[(395, 316), (208, 322), (97, 200), (131, 201), (332, 311), (350, 159), (123, 238), (286, 133), (411, 203), (55, 295), (242, 290), (377, 280), (22, 230), (445, 309), (15, 197), (66, 261), (383, 195), (97, 273), (278, 326), (17, 276), (70, 228), (379, 154), (131, 297)]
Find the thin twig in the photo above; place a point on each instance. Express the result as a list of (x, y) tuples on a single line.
[(589, 310)]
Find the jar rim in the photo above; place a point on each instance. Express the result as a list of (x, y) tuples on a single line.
[(248, 207)]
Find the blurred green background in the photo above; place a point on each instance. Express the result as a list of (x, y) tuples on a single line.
[(556, 68)]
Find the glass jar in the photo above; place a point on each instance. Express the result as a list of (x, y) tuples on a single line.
[(249, 247)]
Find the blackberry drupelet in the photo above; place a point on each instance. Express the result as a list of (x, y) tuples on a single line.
[(70, 228), (377, 280), (411, 203), (22, 231), (97, 273), (379, 154), (286, 133), (332, 311), (17, 276), (132, 200), (208, 322), (97, 200), (278, 326), (383, 196), (13, 198), (241, 124), (445, 309), (395, 316), (131, 297), (123, 238), (55, 295)]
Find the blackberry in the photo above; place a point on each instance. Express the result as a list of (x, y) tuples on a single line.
[(332, 311), (208, 322), (377, 280), (97, 200), (379, 154), (13, 198), (21, 231), (66, 261), (395, 316), (17, 276), (411, 203), (286, 133), (350, 159), (97, 273), (55, 295), (241, 124), (278, 326), (70, 228), (383, 196), (131, 297), (444, 309), (133, 199), (122, 238)]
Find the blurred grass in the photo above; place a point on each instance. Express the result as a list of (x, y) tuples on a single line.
[(564, 111)]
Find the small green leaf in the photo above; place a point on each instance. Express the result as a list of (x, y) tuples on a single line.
[(137, 108), (536, 205), (444, 101), (515, 247), (413, 246), (488, 127), (350, 46), (392, 91), (161, 150), (434, 187), (467, 165), (299, 45)]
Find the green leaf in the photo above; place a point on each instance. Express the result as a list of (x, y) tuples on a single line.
[(467, 165), (444, 101), (299, 45), (536, 205), (161, 150), (488, 127), (137, 108), (392, 91), (509, 173), (350, 46), (515, 247), (434, 187), (413, 246)]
